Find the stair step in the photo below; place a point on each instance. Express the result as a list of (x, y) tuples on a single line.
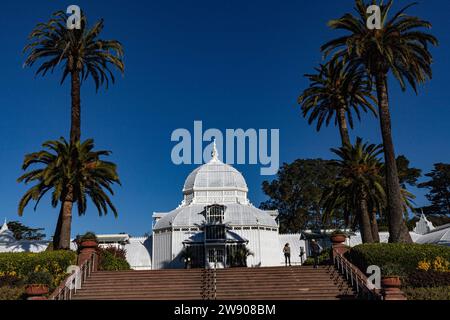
[(272, 283)]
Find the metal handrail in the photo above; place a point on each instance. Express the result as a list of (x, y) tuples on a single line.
[(355, 277), (68, 288), (209, 281)]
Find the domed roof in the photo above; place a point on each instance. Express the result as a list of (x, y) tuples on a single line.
[(215, 175), (215, 182), (235, 215)]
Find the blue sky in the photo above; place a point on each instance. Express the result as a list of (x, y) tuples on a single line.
[(231, 64)]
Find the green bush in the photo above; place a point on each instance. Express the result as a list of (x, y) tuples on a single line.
[(11, 293), (438, 293), (108, 261), (407, 256), (428, 278), (10, 280), (40, 277), (22, 264), (324, 258), (88, 236)]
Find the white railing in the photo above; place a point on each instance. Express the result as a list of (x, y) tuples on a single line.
[(355, 277), (75, 281)]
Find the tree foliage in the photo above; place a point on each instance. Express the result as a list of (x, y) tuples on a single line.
[(337, 91), (297, 191), (22, 232), (78, 166), (75, 50), (407, 175), (438, 187)]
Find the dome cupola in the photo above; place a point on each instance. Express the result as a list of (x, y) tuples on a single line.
[(215, 182)]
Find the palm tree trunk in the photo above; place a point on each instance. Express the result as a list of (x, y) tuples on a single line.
[(61, 238), (397, 226), (75, 125), (364, 221), (343, 129), (374, 227), (57, 235), (66, 221)]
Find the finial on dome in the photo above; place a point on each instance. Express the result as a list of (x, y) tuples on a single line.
[(214, 153)]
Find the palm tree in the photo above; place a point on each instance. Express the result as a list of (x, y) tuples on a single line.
[(72, 172), (359, 186), (336, 91), (80, 53), (400, 48)]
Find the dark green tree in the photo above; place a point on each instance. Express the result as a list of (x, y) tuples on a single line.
[(407, 175), (72, 173), (359, 187), (80, 53), (297, 191), (22, 232), (400, 48), (438, 187), (337, 91)]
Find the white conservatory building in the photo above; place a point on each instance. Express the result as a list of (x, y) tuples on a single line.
[(214, 223), (217, 225)]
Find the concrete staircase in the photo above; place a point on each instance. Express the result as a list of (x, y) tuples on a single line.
[(277, 283)]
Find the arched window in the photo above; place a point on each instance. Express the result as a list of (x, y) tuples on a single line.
[(215, 214)]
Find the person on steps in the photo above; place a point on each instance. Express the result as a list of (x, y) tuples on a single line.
[(287, 254), (316, 249)]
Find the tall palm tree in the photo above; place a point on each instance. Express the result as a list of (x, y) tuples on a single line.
[(72, 172), (81, 53), (336, 91), (359, 186), (400, 47)]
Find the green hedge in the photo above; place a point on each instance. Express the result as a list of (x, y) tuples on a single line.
[(439, 293), (109, 262), (11, 293), (406, 255), (324, 258), (23, 263)]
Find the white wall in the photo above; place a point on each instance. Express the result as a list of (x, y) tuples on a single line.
[(162, 250)]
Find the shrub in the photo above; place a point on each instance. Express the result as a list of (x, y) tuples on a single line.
[(439, 293), (112, 260), (392, 270), (116, 252), (10, 279), (88, 236), (406, 255), (429, 278), (324, 258), (438, 264), (41, 277), (11, 293), (22, 264)]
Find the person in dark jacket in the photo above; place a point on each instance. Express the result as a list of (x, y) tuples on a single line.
[(316, 249), (287, 254)]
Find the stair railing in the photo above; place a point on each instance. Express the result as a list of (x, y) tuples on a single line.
[(215, 277), (209, 281), (68, 288), (355, 277)]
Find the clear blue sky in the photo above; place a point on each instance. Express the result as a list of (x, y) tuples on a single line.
[(231, 64)]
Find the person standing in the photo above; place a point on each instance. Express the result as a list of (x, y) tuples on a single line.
[(287, 254), (316, 249)]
